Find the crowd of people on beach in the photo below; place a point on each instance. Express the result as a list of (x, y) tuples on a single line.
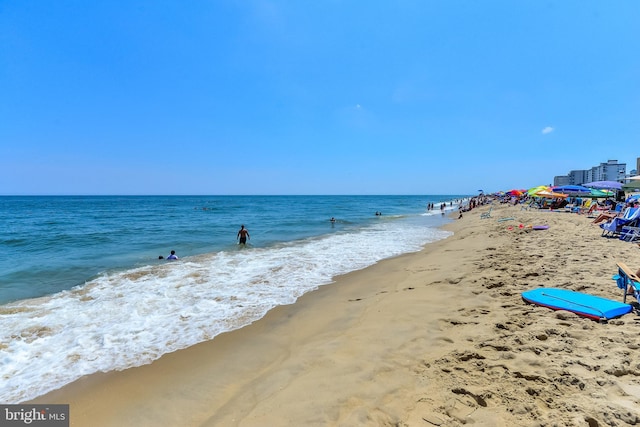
[(612, 213), (475, 202)]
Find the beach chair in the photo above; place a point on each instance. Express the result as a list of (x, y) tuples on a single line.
[(629, 233), (486, 214), (628, 281), (614, 227)]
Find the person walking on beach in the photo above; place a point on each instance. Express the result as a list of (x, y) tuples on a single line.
[(243, 235)]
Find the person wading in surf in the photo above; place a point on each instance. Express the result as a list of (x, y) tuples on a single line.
[(243, 235)]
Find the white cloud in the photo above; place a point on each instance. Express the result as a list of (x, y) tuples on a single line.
[(547, 130)]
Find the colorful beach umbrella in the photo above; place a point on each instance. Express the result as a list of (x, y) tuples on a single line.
[(595, 193), (534, 190), (548, 193), (604, 185), (573, 190)]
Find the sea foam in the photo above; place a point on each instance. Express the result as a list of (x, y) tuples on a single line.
[(130, 318)]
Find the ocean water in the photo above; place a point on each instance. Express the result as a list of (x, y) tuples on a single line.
[(82, 289)]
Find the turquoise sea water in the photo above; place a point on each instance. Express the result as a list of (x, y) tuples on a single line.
[(82, 288)]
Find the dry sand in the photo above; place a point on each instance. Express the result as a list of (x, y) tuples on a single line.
[(441, 337)]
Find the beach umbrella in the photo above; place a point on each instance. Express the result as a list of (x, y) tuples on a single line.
[(514, 192), (631, 186), (604, 185), (637, 177), (633, 198), (547, 193), (572, 190), (595, 193), (534, 190)]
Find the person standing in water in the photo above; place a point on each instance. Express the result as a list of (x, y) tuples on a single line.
[(243, 235)]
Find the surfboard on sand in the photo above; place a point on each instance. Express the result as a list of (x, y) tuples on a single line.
[(585, 305)]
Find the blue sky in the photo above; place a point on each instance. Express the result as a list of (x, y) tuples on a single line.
[(313, 97)]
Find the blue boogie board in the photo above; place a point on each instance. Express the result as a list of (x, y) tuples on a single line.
[(585, 305)]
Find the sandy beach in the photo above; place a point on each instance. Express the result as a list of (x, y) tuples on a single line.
[(440, 337)]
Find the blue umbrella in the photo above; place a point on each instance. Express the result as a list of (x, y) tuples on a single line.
[(572, 189), (604, 185)]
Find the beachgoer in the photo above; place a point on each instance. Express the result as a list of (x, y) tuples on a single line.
[(605, 216), (173, 255), (243, 235), (332, 219)]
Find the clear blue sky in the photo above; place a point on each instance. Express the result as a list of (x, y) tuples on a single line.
[(313, 97)]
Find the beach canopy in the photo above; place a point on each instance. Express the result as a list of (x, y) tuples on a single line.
[(574, 190), (631, 186), (604, 185)]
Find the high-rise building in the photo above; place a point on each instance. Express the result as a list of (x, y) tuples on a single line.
[(609, 171)]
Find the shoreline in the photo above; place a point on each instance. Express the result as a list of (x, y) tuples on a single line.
[(436, 337)]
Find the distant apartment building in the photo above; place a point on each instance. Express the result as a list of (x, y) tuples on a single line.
[(578, 177), (609, 171)]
